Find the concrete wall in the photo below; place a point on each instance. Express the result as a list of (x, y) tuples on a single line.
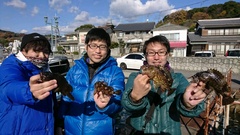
[(201, 64)]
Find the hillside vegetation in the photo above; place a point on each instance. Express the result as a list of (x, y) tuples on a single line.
[(230, 9)]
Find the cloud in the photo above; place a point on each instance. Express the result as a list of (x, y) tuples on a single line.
[(83, 16), (16, 3), (58, 4), (23, 31), (73, 9), (135, 8), (35, 10)]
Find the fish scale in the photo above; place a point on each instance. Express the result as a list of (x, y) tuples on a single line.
[(161, 77), (63, 86), (215, 81)]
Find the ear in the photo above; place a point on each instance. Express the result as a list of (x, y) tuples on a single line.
[(86, 47)]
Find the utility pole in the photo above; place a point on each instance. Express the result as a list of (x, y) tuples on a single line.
[(53, 27)]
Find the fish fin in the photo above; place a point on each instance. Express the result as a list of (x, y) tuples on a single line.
[(117, 92)]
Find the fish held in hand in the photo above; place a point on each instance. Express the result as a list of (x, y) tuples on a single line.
[(216, 81), (161, 77), (101, 86), (63, 86)]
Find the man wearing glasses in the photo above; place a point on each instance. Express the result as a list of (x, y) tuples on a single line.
[(92, 112), (140, 94)]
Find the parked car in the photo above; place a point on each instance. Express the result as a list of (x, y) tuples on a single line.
[(59, 64), (204, 54), (131, 61), (233, 53)]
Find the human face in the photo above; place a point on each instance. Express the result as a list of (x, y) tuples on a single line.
[(96, 54), (39, 59), (156, 59), (32, 54)]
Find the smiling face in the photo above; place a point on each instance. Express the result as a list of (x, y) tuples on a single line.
[(35, 54), (156, 54), (97, 50)]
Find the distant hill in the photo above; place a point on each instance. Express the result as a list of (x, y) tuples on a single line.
[(230, 9), (8, 36)]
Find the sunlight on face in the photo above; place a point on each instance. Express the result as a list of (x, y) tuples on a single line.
[(97, 50), (33, 54), (156, 59)]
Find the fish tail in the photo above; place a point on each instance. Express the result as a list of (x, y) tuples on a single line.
[(70, 96)]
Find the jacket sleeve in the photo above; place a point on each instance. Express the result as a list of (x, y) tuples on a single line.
[(117, 83), (14, 86), (181, 87), (126, 102)]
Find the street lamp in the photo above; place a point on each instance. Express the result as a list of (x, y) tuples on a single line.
[(53, 26)]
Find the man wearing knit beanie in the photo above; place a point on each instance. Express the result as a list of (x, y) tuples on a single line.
[(26, 102)]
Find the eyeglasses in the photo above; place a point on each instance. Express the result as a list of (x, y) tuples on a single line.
[(160, 53), (94, 46)]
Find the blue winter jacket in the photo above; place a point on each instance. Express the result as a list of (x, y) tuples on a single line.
[(82, 116), (20, 113)]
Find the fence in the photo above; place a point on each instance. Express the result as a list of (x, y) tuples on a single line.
[(222, 64)]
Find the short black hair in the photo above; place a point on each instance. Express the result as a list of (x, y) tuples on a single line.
[(98, 34), (160, 39)]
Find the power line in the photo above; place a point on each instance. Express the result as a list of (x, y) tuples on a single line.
[(172, 8)]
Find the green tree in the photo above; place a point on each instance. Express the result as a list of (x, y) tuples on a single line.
[(178, 17), (85, 26), (61, 50), (114, 45), (232, 8), (200, 16)]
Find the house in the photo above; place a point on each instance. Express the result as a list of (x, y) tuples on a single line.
[(70, 42), (75, 42), (134, 34), (177, 36), (218, 35)]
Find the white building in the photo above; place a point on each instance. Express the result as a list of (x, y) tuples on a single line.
[(177, 36)]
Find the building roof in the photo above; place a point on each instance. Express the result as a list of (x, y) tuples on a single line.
[(215, 23), (145, 26), (197, 38), (170, 26)]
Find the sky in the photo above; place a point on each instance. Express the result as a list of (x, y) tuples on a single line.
[(27, 16)]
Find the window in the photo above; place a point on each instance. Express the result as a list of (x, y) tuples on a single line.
[(134, 56), (216, 32), (172, 36), (131, 56), (139, 57), (232, 31)]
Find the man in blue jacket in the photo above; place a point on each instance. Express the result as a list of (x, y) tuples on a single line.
[(92, 113), (26, 102)]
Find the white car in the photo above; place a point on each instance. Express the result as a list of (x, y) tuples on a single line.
[(131, 61)]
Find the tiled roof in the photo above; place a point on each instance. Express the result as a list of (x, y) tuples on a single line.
[(146, 26), (214, 23), (170, 26), (197, 38)]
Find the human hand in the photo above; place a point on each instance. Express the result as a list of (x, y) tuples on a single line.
[(194, 94), (141, 87), (41, 90), (101, 100)]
